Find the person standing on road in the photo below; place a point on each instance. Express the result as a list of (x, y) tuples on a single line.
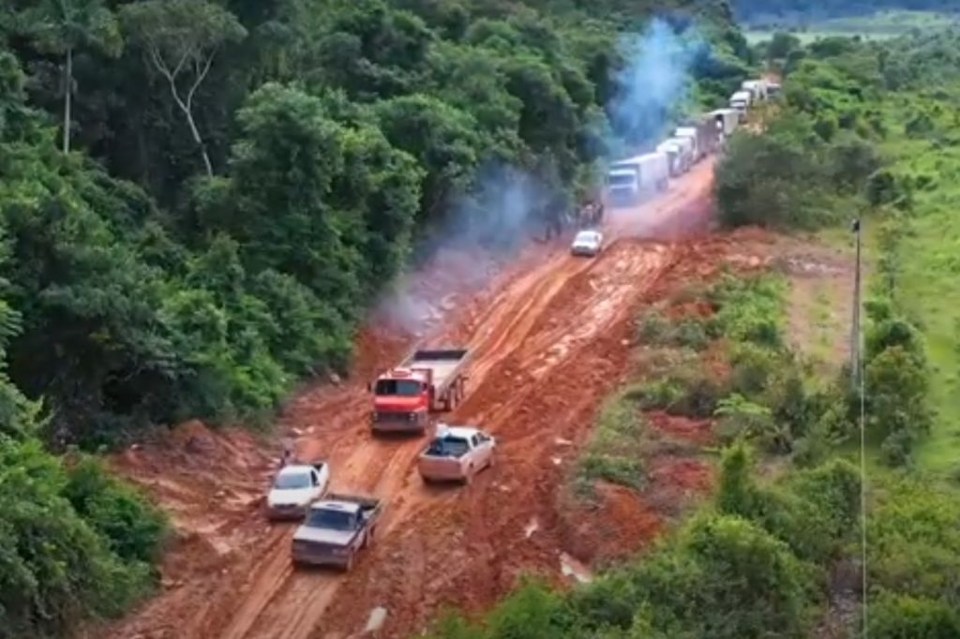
[(287, 455)]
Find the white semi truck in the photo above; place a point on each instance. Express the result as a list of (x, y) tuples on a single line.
[(629, 180), (757, 89), (679, 151), (741, 101)]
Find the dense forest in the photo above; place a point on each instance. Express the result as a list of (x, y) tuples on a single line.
[(863, 129), (199, 200)]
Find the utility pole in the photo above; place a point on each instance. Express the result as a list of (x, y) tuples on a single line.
[(855, 335), (857, 378)]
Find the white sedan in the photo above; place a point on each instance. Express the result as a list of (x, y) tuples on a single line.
[(295, 487), (587, 243)]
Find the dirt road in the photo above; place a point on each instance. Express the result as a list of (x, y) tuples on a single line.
[(549, 335)]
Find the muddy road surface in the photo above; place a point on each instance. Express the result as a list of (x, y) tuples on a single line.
[(549, 335)]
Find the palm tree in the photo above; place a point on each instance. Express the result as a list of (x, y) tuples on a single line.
[(61, 27)]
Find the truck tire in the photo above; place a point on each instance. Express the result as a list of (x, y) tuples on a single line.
[(347, 567), (468, 476)]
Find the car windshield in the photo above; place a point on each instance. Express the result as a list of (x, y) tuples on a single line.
[(622, 179), (292, 481), (586, 238), (331, 519), (403, 387), (448, 447)]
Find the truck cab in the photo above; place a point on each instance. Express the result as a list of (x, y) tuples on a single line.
[(692, 134), (757, 89), (623, 184), (404, 396), (741, 102), (674, 153)]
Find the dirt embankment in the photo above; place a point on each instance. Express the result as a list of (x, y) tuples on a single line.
[(549, 335)]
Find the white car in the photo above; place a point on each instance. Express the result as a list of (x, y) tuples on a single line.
[(295, 487), (587, 243)]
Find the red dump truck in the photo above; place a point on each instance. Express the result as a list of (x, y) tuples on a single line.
[(427, 380)]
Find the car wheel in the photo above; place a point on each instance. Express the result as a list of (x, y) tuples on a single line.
[(468, 476), (348, 566)]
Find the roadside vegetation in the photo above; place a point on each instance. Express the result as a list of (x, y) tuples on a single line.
[(865, 129)]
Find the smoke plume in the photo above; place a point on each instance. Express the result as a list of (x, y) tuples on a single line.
[(481, 231), (488, 226), (653, 83)]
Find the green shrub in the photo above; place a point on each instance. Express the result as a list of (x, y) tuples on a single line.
[(615, 450), (688, 332), (56, 568), (132, 526), (749, 309), (904, 617)]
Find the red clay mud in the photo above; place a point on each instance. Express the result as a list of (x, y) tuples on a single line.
[(550, 335), (696, 431)]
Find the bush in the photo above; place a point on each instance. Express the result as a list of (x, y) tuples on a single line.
[(904, 617), (749, 309), (688, 332), (134, 529), (56, 568), (614, 452)]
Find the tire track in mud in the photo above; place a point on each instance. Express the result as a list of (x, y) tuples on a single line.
[(524, 332)]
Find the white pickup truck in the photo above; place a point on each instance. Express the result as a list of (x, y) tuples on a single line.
[(457, 453), (295, 487)]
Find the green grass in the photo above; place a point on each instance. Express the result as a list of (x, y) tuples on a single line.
[(930, 285), (615, 449), (878, 26)]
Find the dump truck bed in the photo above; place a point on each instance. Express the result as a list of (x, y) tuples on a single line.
[(445, 363)]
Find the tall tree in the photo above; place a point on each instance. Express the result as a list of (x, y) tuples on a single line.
[(61, 27), (180, 40)]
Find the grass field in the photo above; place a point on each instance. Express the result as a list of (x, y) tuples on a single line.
[(929, 279), (886, 24), (931, 286)]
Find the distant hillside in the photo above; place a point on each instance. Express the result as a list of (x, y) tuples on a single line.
[(753, 11)]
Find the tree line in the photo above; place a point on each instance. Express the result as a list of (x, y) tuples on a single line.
[(804, 10)]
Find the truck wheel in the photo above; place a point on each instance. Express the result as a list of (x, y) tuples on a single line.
[(347, 567), (468, 476)]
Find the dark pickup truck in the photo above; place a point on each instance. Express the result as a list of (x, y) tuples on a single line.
[(335, 529)]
